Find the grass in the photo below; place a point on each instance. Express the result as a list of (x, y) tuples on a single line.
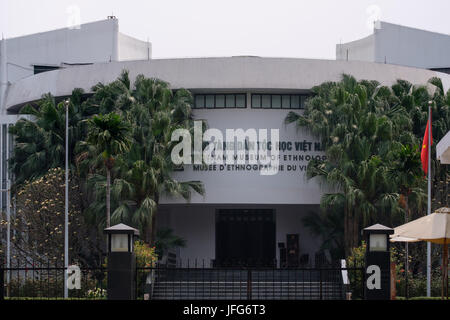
[(420, 298)]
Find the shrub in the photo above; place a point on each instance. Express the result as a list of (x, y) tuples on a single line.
[(145, 255)]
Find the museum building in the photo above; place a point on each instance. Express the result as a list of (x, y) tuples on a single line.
[(244, 216)]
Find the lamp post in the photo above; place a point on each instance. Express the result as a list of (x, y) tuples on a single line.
[(121, 262), (378, 262), (66, 205), (8, 230)]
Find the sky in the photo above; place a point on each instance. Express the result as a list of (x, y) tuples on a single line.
[(199, 28)]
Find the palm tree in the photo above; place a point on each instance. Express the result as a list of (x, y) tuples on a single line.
[(40, 138), (109, 134), (156, 112), (145, 173), (358, 124)]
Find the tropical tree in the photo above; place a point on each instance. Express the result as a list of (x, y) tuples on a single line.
[(329, 224), (405, 172), (166, 240), (40, 137), (110, 136), (145, 173), (358, 124)]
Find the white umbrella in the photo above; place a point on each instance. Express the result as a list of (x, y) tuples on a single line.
[(403, 239), (433, 228)]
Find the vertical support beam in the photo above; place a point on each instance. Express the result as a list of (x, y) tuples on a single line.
[(2, 282), (429, 203), (8, 210), (66, 209), (249, 284), (3, 75)]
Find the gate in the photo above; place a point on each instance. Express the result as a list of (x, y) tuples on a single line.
[(252, 283)]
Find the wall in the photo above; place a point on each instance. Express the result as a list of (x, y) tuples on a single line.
[(133, 49), (359, 50), (92, 43), (411, 47), (249, 186), (251, 73), (399, 45), (196, 224)]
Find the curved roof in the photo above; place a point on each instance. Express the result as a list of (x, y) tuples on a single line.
[(233, 73)]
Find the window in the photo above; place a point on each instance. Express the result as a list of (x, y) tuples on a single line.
[(209, 101), (220, 101), (256, 101), (277, 101), (265, 101), (199, 102), (40, 69), (241, 100), (230, 103)]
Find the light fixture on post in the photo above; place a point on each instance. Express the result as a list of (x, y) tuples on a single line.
[(121, 262), (378, 262)]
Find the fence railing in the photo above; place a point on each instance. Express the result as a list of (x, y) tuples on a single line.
[(195, 282), (44, 281), (247, 283)]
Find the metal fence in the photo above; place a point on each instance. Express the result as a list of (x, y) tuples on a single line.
[(35, 281), (32, 281), (248, 283)]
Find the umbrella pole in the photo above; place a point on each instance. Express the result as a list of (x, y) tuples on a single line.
[(444, 291), (446, 267)]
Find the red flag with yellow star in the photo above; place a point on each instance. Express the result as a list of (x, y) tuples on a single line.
[(424, 154)]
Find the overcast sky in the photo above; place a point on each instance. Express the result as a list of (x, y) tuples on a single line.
[(193, 28)]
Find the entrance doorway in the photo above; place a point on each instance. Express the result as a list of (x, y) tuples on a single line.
[(245, 237)]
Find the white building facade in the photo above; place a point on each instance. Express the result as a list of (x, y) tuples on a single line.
[(243, 213), (400, 45)]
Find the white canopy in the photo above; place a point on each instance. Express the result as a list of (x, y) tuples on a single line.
[(443, 149), (433, 228)]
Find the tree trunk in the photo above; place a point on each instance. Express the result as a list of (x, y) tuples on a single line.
[(406, 248), (347, 232), (351, 231), (108, 197), (153, 229), (355, 232)]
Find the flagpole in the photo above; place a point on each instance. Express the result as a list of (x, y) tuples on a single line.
[(429, 200), (66, 205)]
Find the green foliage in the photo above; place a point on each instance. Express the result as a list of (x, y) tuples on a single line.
[(166, 240), (371, 135), (109, 134), (419, 298), (329, 225), (143, 174), (145, 255), (38, 225), (40, 137), (355, 261), (43, 284), (123, 131)]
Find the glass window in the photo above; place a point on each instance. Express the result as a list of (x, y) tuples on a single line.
[(209, 101), (302, 104), (220, 101), (230, 101), (286, 102), (265, 101), (119, 242), (295, 102), (199, 101), (256, 101), (241, 101), (276, 102)]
